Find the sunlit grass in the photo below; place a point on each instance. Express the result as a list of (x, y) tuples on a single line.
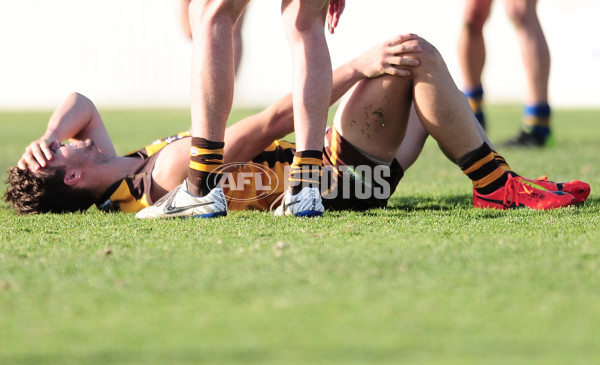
[(430, 280)]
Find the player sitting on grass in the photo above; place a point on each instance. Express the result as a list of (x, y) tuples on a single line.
[(397, 94)]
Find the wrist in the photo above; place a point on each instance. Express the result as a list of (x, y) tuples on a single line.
[(356, 70), (49, 136)]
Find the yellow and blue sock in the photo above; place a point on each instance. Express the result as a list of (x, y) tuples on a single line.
[(475, 98), (536, 120)]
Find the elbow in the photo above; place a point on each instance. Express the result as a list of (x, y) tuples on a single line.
[(78, 98)]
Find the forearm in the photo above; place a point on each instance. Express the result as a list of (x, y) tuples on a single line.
[(75, 118), (384, 58), (71, 118), (344, 77), (280, 114)]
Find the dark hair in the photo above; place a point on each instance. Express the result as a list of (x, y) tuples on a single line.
[(44, 191)]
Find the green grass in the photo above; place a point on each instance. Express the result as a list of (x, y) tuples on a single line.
[(428, 281)]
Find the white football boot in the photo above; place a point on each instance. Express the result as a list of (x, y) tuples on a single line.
[(307, 203), (178, 203)]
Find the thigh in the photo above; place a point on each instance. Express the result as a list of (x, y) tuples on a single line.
[(374, 114), (351, 180)]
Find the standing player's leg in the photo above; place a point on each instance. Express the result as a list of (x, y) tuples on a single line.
[(471, 53), (304, 23), (211, 87), (212, 23), (238, 44), (184, 20), (536, 61)]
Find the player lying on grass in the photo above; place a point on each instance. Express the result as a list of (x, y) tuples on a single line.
[(375, 137)]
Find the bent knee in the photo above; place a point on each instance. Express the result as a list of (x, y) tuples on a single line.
[(521, 13), (208, 12), (429, 56), (474, 18)]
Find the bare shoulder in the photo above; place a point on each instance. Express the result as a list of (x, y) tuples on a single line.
[(170, 168)]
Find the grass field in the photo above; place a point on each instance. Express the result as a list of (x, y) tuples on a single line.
[(430, 280)]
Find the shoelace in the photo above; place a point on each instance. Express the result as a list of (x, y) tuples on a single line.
[(512, 190), (276, 201)]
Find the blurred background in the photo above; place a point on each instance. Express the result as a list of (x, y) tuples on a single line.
[(133, 53)]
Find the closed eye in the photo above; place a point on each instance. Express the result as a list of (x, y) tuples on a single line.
[(54, 147)]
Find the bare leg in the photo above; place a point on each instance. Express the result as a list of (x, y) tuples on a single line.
[(212, 23), (211, 96), (374, 116), (444, 114), (238, 44), (413, 142), (471, 45), (534, 49), (442, 108), (304, 24), (184, 17), (212, 65), (536, 62), (237, 31), (415, 138)]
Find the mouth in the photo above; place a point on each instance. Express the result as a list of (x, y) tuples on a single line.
[(80, 144), (85, 144)]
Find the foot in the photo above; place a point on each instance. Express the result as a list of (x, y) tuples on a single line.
[(307, 203), (526, 139), (579, 189), (517, 193), (178, 203)]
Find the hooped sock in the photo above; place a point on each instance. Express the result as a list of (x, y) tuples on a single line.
[(475, 98), (483, 169), (204, 171), (536, 120), (305, 170)]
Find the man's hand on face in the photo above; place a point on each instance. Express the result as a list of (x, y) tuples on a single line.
[(37, 154)]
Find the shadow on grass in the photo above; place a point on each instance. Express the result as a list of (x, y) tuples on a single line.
[(436, 203), (178, 355), (464, 201)]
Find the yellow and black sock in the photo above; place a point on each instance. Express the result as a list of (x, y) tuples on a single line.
[(502, 162), (475, 98), (484, 170), (305, 170), (204, 171)]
